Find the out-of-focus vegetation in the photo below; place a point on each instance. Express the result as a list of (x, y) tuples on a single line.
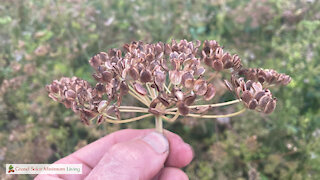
[(44, 40)]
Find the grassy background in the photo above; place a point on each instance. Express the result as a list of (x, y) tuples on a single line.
[(44, 40)]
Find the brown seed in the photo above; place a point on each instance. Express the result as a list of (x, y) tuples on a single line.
[(208, 61), (270, 106), (246, 96), (264, 101), (200, 87), (155, 111), (106, 76), (219, 52), (154, 103), (226, 60), (124, 89), (175, 77), (228, 85), (95, 61), (140, 89), (179, 95), (211, 91), (145, 76), (217, 65), (189, 100), (257, 86), (253, 104), (150, 57), (183, 109), (133, 72), (70, 95), (259, 95)]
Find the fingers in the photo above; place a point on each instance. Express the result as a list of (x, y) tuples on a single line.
[(140, 158), (170, 173), (180, 153)]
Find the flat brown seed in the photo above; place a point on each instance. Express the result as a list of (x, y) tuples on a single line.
[(259, 95), (133, 72), (183, 109), (145, 76), (106, 76), (140, 89), (246, 96), (189, 100), (264, 101), (200, 87), (124, 89), (211, 92), (270, 106), (217, 65), (253, 104)]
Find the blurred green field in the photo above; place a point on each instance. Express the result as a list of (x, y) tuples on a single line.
[(44, 40)]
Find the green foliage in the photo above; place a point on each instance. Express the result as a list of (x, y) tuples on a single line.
[(44, 40)]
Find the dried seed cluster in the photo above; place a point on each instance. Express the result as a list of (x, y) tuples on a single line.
[(76, 94), (269, 76), (161, 76), (253, 95)]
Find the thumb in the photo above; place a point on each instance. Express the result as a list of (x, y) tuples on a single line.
[(137, 159)]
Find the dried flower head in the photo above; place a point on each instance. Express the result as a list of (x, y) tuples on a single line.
[(169, 79)]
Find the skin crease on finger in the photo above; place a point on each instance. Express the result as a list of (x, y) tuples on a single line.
[(180, 155)]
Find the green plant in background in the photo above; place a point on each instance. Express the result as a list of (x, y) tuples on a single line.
[(44, 40)]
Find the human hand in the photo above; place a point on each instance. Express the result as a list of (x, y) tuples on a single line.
[(130, 154)]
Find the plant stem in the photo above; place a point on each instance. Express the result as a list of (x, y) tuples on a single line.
[(138, 98), (128, 120), (159, 127), (211, 105), (212, 116)]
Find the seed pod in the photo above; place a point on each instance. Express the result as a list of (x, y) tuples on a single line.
[(140, 89), (211, 91), (208, 61), (217, 65), (183, 109), (106, 76), (219, 52), (154, 103), (163, 100), (226, 60), (175, 77), (259, 95), (253, 104), (264, 101), (70, 95), (145, 76), (270, 106), (246, 96), (124, 89), (102, 106), (228, 85), (190, 99), (179, 95), (187, 80), (133, 72), (200, 87), (155, 111)]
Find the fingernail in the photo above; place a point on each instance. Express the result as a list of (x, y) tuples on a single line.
[(157, 141)]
